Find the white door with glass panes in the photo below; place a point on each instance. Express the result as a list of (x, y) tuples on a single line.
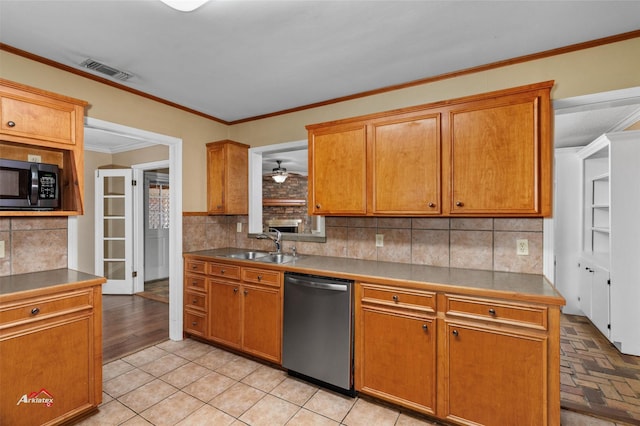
[(114, 230), (156, 227)]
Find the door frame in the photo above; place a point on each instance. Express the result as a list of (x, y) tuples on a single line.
[(175, 214), (138, 219)]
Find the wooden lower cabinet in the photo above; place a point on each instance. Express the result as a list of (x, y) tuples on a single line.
[(225, 313), (464, 359), (493, 376), (50, 357), (243, 308)]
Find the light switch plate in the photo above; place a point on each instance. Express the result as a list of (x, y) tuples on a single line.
[(239, 227), (379, 240), (1, 249)]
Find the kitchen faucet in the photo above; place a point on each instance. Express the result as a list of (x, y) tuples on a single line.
[(277, 240)]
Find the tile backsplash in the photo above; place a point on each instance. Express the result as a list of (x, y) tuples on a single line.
[(479, 243), (39, 244), (33, 244)]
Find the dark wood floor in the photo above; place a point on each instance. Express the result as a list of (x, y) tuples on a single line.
[(131, 323)]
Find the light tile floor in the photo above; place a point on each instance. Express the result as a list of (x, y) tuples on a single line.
[(192, 383)]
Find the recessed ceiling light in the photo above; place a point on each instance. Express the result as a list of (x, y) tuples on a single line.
[(184, 5)]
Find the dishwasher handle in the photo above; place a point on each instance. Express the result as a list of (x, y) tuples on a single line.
[(317, 284)]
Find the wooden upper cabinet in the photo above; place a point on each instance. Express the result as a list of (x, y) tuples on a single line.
[(500, 152), (337, 170), (404, 158), (42, 119), (51, 126), (483, 155), (227, 177)]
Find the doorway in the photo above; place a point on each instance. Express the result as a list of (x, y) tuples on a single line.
[(81, 235)]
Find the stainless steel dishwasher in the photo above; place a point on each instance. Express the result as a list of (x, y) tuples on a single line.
[(318, 329)]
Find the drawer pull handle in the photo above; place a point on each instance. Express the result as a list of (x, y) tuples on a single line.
[(194, 323), (395, 298), (35, 311), (259, 277), (195, 301), (194, 266), (222, 271), (432, 205), (492, 311), (424, 327), (459, 204), (195, 283), (11, 124), (455, 333)]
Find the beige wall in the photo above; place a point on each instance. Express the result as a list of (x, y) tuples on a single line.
[(599, 69), (117, 106), (609, 67)]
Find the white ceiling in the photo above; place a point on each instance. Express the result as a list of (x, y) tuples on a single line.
[(237, 59)]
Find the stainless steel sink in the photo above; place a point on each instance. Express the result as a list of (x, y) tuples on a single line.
[(248, 255), (276, 258)]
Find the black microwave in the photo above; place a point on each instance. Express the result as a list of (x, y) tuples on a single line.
[(29, 186)]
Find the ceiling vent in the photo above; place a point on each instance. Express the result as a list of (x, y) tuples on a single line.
[(105, 69)]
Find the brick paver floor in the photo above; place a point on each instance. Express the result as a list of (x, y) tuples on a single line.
[(594, 376)]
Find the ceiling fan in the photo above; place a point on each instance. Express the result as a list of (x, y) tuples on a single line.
[(280, 174)]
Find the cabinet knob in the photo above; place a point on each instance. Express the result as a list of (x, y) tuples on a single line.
[(235, 290), (11, 124), (424, 327), (246, 292), (222, 271), (259, 277), (194, 266), (459, 203), (35, 311), (195, 301), (492, 311), (432, 205), (219, 206), (395, 298), (318, 206), (455, 333), (194, 283), (194, 323)]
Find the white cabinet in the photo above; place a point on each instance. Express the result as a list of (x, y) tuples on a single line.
[(611, 237), (594, 293)]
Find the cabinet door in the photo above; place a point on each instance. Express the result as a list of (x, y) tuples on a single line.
[(398, 358), (52, 360), (262, 325), (498, 152), (224, 312), (51, 121), (405, 166), (494, 376), (337, 170), (215, 179), (600, 300)]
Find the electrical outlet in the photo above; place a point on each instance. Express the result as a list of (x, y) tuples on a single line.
[(379, 240), (239, 227), (523, 247), (1, 249), (34, 158)]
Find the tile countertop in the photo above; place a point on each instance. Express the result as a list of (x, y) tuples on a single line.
[(34, 283), (507, 285)]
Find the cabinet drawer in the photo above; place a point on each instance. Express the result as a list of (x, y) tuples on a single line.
[(195, 323), (197, 266), (261, 276), (195, 282), (499, 311), (193, 300), (224, 270), (413, 299), (46, 306)]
